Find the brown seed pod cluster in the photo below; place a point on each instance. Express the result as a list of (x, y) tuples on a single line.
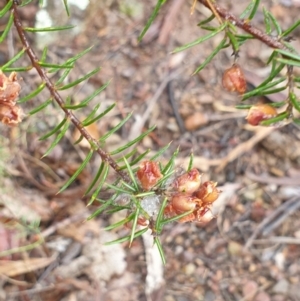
[(234, 79), (187, 193), (10, 113), (191, 195)]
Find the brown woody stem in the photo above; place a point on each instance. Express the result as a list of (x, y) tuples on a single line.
[(244, 24), (56, 96)]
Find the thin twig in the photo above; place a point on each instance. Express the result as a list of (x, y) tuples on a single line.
[(56, 96), (280, 213), (278, 240), (245, 25)]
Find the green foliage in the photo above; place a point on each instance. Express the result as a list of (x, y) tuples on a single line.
[(124, 160), (283, 56)]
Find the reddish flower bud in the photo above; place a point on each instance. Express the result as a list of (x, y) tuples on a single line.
[(188, 182), (208, 192), (182, 202), (234, 79), (149, 174), (260, 112)]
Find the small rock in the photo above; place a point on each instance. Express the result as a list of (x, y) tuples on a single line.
[(189, 269), (281, 287), (195, 121), (234, 248), (262, 296), (249, 289)]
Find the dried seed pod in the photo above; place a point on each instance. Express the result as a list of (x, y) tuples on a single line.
[(188, 182), (234, 79), (10, 114), (182, 202), (9, 87), (260, 112), (149, 174), (208, 193)]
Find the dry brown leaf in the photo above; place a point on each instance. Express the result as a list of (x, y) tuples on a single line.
[(195, 121), (19, 267)]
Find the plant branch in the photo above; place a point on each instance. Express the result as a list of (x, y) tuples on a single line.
[(245, 25), (56, 96)]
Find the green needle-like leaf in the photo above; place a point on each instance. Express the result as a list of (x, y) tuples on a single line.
[(176, 218), (233, 41), (201, 40), (79, 55), (32, 94), (296, 121), (131, 175), (117, 188), (120, 223), (96, 178), (101, 183), (259, 90), (66, 7), (254, 9), (293, 100), (116, 128), (170, 164), (210, 18), (290, 29), (117, 209), (275, 23), (65, 73), (78, 140), (13, 60), (136, 160), (76, 82), (134, 225), (160, 216), (85, 102), (151, 19), (267, 21), (6, 8), (48, 65), (7, 28), (129, 187), (276, 119), (55, 130), (47, 29), (287, 54), (288, 62), (160, 250), (44, 54), (247, 10), (144, 194), (57, 139), (273, 74), (126, 238), (100, 210), (191, 162), (89, 121), (134, 141), (78, 171), (25, 2), (211, 56), (160, 152), (127, 156), (41, 107)]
